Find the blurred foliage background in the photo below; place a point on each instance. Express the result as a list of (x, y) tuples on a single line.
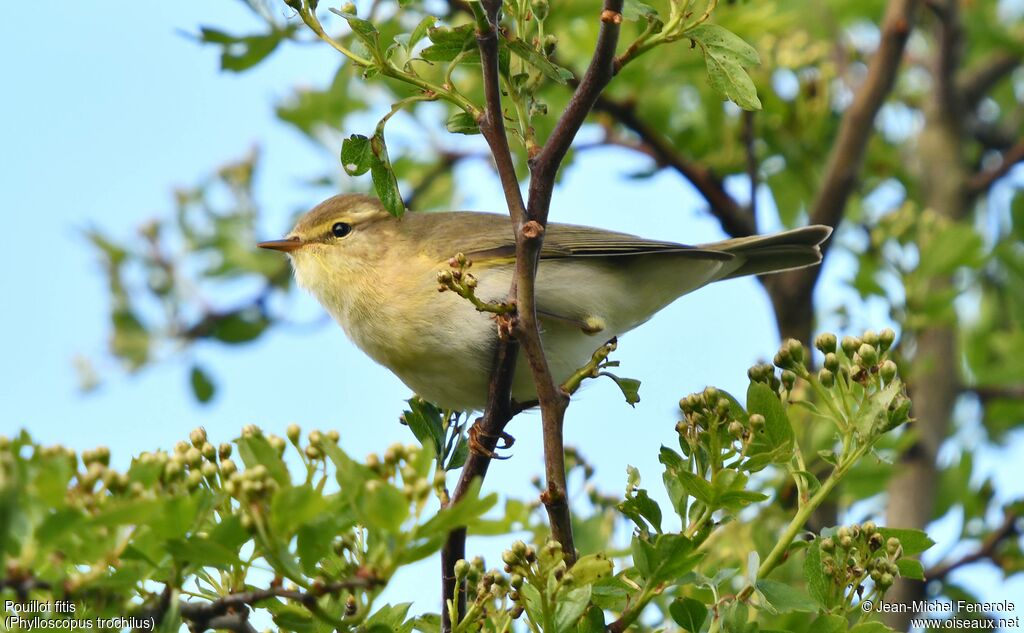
[(930, 225)]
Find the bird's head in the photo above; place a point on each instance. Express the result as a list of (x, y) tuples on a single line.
[(337, 241)]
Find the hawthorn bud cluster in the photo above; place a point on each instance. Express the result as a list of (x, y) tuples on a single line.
[(858, 552), (710, 419)]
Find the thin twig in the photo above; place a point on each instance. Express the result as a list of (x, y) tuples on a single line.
[(734, 219), (980, 182), (1008, 529), (976, 82)]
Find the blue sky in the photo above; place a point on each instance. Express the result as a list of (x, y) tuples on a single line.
[(106, 110)]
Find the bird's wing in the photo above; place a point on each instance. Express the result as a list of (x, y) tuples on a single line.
[(486, 238)]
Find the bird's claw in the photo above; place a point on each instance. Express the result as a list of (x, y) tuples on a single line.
[(477, 446)]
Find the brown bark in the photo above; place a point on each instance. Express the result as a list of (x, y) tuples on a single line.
[(932, 378)]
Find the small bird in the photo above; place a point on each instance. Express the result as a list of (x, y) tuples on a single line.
[(377, 275)]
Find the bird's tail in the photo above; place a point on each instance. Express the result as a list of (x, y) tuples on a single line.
[(761, 254)]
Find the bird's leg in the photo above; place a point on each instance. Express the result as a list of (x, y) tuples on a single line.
[(477, 446)]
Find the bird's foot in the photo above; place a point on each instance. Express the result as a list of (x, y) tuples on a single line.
[(477, 437)]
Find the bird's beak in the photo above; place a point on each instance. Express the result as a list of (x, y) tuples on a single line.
[(286, 245)]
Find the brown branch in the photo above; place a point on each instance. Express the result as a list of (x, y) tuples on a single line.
[(233, 608), (1008, 529), (498, 411), (529, 239), (1008, 392), (980, 182), (976, 82), (735, 220), (791, 291), (856, 129)]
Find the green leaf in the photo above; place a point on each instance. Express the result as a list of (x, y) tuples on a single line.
[(784, 598), (202, 386), (630, 387), (293, 506), (255, 450), (420, 32), (356, 155), (533, 57), (688, 613), (591, 568), (910, 568), (633, 10), (462, 123), (384, 181), (814, 575), (664, 559), (240, 53), (829, 624), (954, 246), (364, 30), (913, 541), (871, 627), (570, 606), (449, 42), (467, 510), (697, 487), (777, 437), (640, 506), (382, 506), (593, 620), (241, 326), (426, 423), (726, 55), (229, 533), (202, 552)]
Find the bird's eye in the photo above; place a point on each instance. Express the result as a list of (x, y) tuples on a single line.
[(341, 229)]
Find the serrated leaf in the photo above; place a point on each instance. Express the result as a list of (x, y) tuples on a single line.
[(448, 42), (913, 541), (726, 55), (356, 155)]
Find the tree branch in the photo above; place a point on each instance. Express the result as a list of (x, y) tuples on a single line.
[(791, 291), (856, 128), (735, 220), (976, 82), (498, 411), (529, 239), (1008, 529), (980, 182)]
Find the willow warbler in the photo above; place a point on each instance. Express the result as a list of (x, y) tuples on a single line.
[(377, 276)]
